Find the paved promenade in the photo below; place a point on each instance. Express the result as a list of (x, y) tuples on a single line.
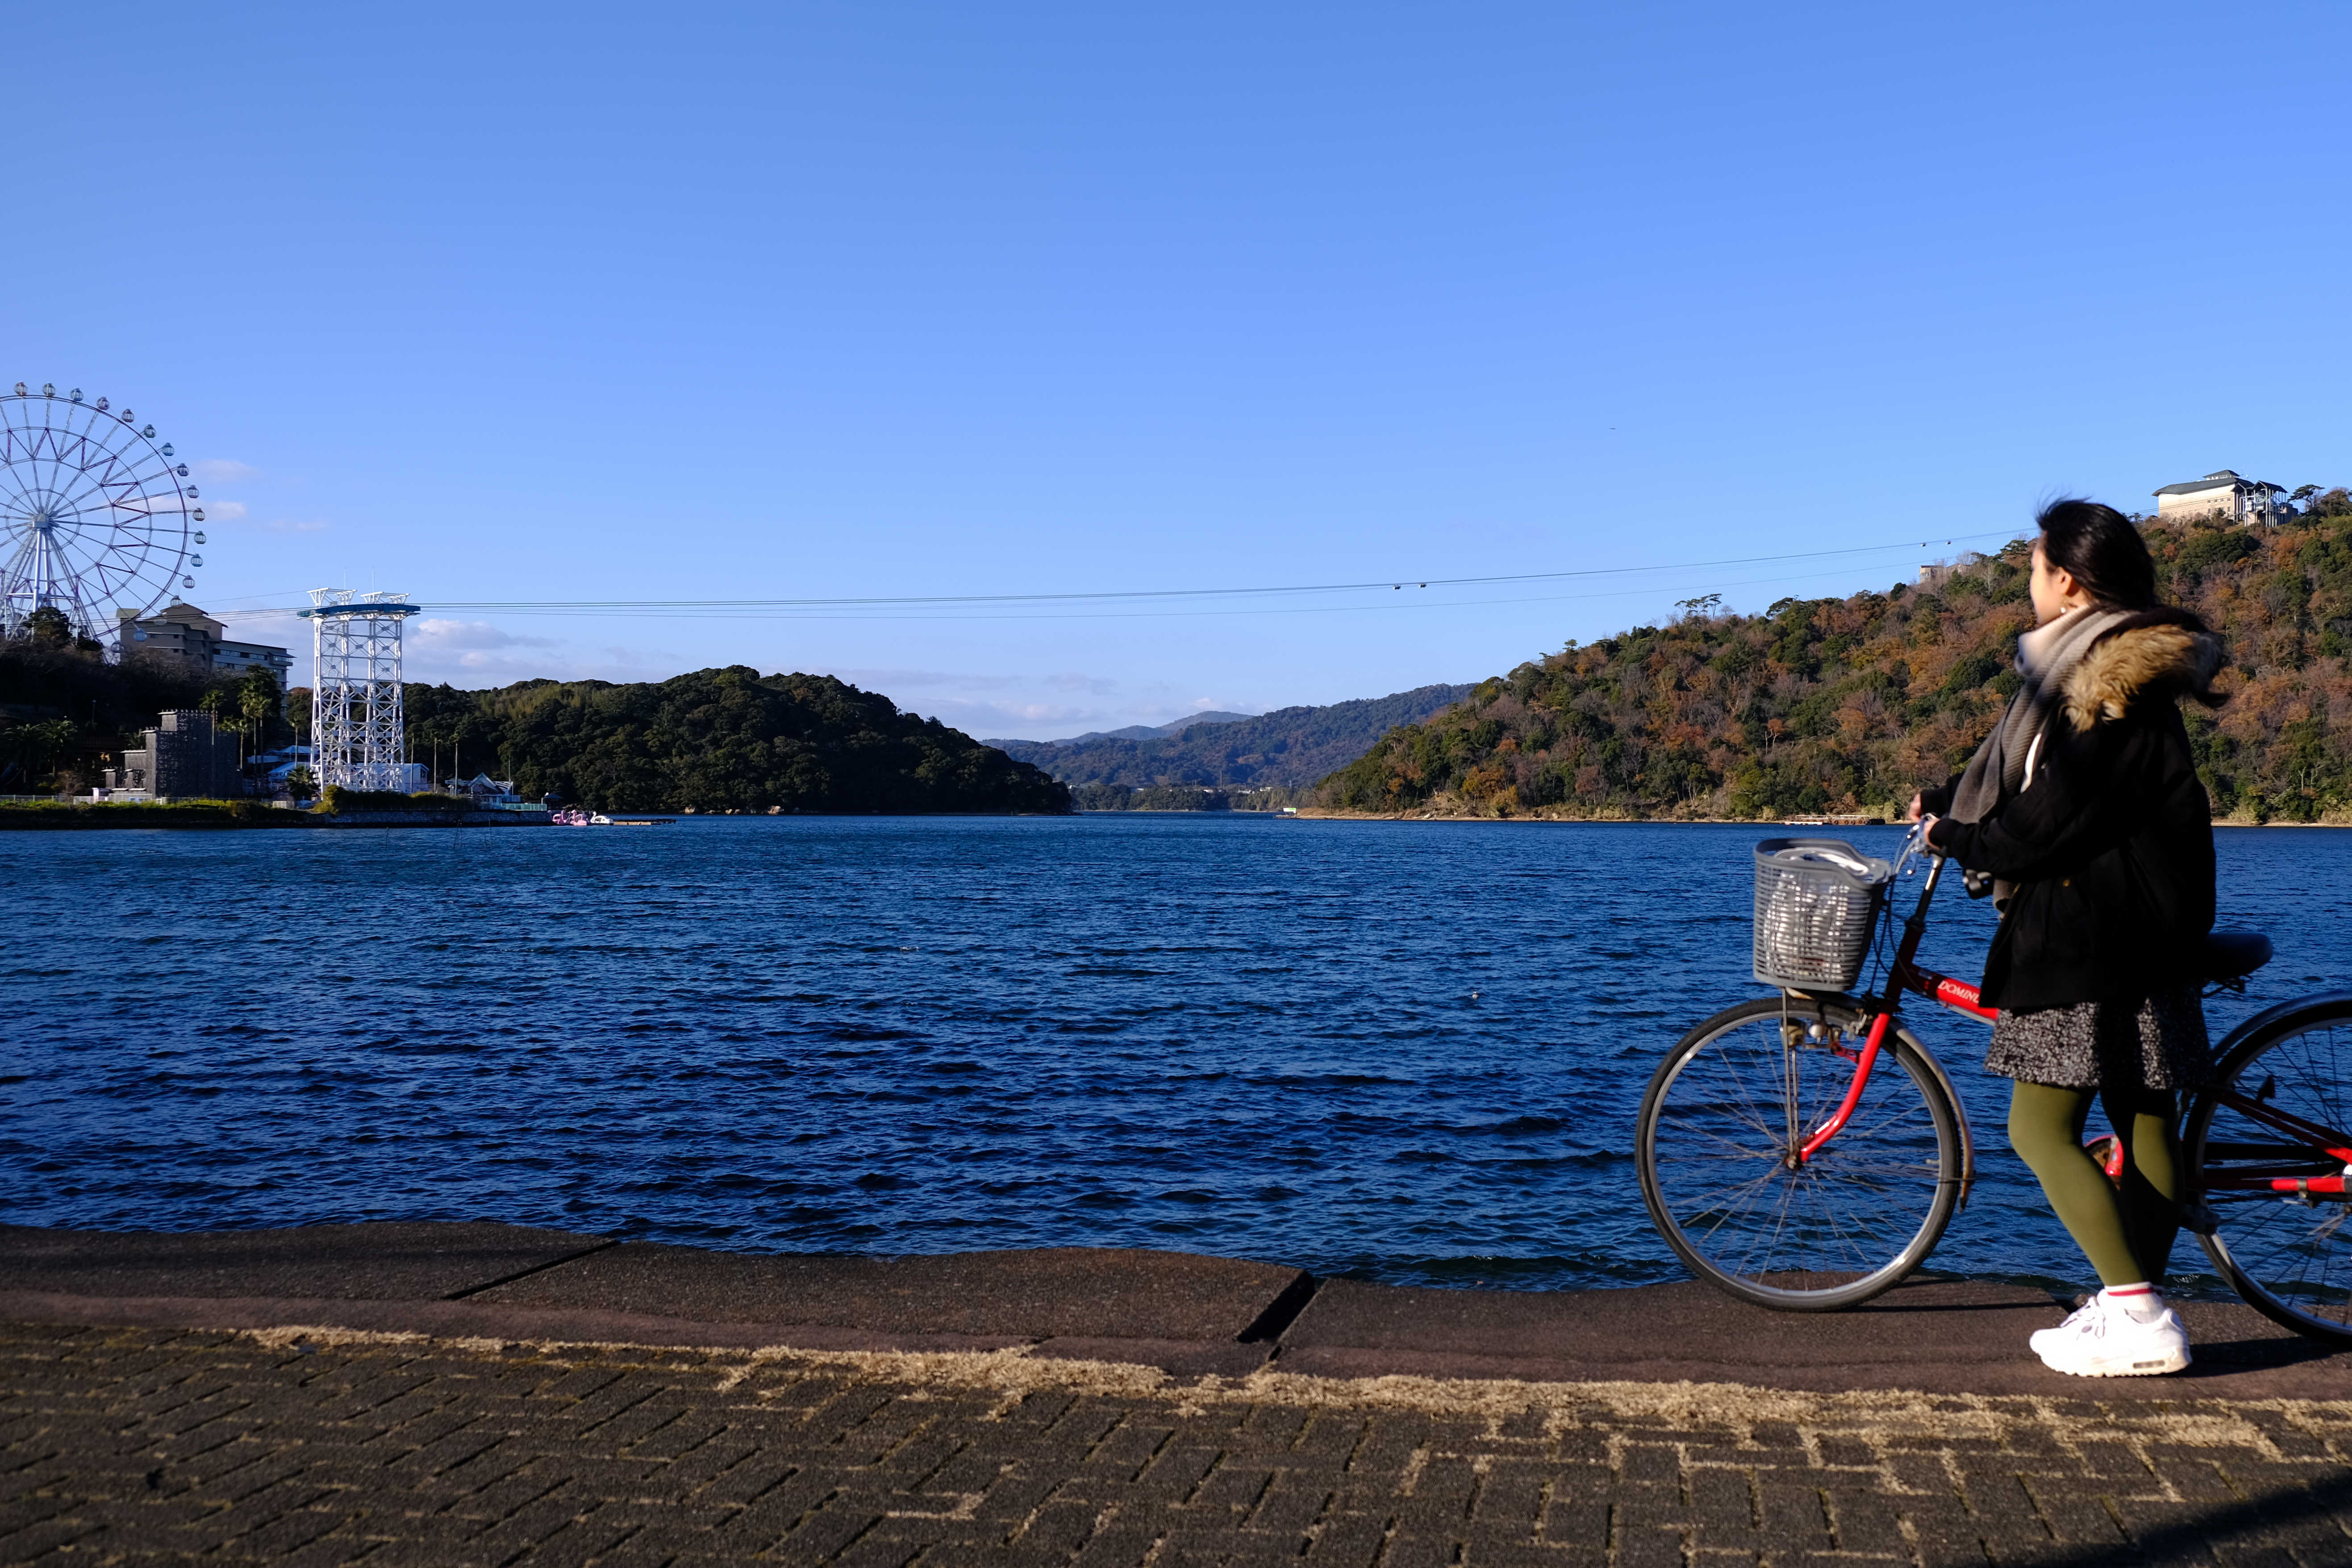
[(458, 1394)]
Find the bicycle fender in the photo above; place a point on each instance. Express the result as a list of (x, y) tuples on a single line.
[(2270, 1016)]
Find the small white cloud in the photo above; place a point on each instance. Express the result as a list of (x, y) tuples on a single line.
[(1092, 685), (223, 471), (269, 627), (224, 511), (888, 680), (452, 636), (1023, 720), (443, 657)]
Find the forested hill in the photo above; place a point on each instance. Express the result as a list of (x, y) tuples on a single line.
[(1291, 746), (721, 740), (1850, 704)]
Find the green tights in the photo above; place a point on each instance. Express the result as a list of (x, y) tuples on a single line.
[(2127, 1232)]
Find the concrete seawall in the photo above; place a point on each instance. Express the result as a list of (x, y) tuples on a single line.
[(1185, 1315), (493, 1394)]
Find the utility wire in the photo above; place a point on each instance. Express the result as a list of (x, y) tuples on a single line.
[(814, 608), (1374, 607)]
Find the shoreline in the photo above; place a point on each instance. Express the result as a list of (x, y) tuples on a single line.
[(1304, 815), (1185, 1315), (221, 819)]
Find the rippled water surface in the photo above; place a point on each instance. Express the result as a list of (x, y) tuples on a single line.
[(1406, 1051)]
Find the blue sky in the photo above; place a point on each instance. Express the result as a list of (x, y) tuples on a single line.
[(534, 303)]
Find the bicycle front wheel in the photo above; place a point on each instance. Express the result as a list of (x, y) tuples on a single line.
[(1716, 1152), (2257, 1140)]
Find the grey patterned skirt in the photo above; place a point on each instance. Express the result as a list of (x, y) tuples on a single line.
[(2159, 1042)]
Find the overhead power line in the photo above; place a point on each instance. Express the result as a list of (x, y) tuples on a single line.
[(1132, 598)]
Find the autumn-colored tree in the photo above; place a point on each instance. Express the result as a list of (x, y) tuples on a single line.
[(1850, 704)]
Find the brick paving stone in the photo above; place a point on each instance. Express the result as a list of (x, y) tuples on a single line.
[(137, 1446), (1347, 1539), (1115, 1548), (1176, 1472), (1648, 1546)]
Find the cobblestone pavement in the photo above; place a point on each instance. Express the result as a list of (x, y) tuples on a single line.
[(151, 1446)]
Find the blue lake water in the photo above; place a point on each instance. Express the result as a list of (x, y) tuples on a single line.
[(1401, 1051)]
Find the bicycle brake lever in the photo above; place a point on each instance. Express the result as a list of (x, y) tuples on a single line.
[(1913, 843)]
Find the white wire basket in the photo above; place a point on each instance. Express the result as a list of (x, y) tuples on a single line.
[(1817, 902)]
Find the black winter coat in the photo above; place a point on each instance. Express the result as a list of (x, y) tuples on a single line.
[(2110, 840)]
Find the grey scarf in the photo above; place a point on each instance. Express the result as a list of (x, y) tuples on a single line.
[(2045, 657)]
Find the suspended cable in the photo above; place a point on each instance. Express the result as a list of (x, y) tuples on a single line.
[(1005, 605)]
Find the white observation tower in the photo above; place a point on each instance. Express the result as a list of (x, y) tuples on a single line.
[(357, 738)]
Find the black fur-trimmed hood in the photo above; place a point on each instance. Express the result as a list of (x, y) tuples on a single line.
[(2155, 651)]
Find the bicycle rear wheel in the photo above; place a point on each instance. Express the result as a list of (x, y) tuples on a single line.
[(2288, 1253), (1715, 1148)]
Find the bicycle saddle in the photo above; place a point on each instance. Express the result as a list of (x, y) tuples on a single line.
[(2232, 954)]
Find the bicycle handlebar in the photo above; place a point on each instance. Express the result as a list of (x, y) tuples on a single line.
[(1915, 843)]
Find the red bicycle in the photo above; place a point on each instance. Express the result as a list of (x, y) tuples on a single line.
[(1805, 1151)]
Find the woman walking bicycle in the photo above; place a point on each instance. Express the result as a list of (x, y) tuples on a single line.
[(2083, 817), (1804, 1150)]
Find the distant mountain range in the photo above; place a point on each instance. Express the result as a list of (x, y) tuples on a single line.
[(1291, 747), (1133, 731)]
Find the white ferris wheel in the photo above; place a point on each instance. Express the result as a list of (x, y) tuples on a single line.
[(97, 517)]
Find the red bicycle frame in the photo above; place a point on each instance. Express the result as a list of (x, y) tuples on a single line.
[(1904, 975), (2312, 1144)]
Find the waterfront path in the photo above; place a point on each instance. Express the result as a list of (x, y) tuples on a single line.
[(485, 1393)]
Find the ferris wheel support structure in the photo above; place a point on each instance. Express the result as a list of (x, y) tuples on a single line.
[(357, 737)]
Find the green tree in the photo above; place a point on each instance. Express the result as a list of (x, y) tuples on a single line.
[(256, 703), (30, 751), (47, 627), (723, 740)]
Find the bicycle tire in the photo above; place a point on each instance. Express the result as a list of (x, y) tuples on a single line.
[(1712, 1155), (2288, 1255)]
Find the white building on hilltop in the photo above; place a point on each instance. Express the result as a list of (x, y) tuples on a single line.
[(1934, 575), (2225, 496)]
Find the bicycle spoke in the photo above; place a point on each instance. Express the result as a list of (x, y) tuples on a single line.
[(2288, 1254), (1717, 1170)]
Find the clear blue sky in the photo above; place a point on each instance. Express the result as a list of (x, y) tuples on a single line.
[(509, 302)]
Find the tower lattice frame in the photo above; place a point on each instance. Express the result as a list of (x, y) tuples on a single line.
[(357, 736)]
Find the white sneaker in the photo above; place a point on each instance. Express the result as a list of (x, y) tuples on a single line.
[(2102, 1340)]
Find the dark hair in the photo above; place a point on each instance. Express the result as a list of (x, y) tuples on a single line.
[(2102, 550)]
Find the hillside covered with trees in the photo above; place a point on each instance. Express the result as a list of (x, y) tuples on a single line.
[(721, 740), (67, 710), (1293, 747), (1850, 704)]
